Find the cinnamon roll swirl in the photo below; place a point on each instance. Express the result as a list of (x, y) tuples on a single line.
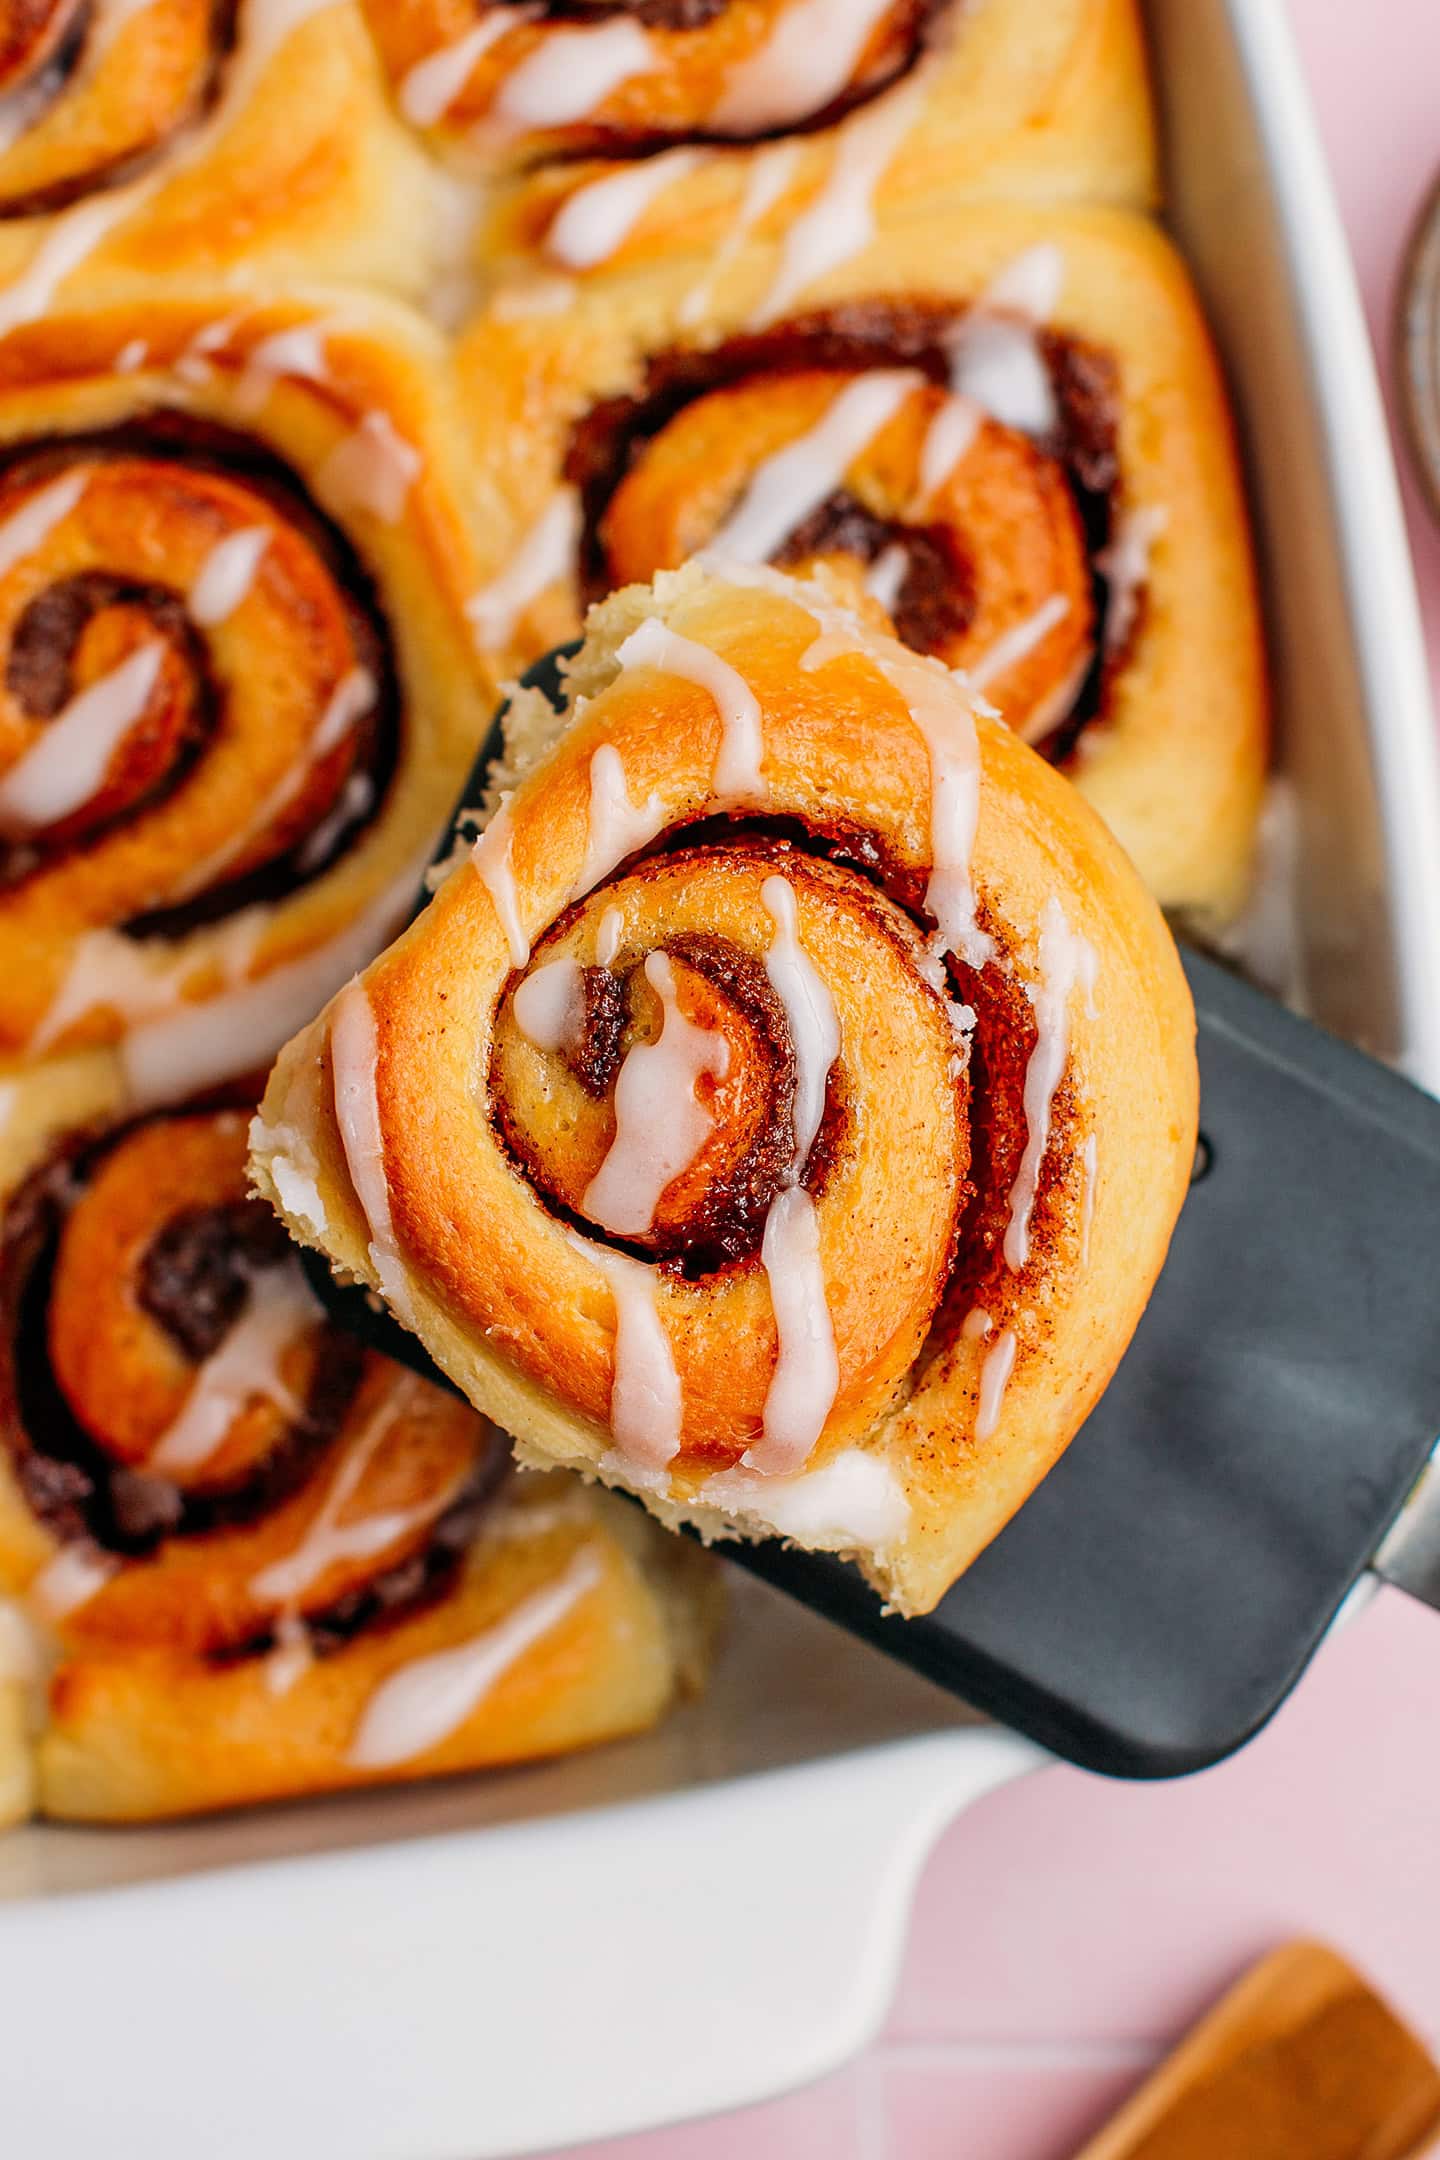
[(260, 1560), (782, 1109), (1008, 434), (739, 119), (237, 691), (145, 136)]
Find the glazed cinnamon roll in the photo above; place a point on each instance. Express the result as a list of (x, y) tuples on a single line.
[(179, 135), (782, 1109), (261, 1560), (750, 116), (1008, 433), (237, 691)]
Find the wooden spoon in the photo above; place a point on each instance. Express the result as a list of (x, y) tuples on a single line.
[(1300, 2061)]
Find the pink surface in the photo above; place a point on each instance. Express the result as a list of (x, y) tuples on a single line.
[(1066, 1929)]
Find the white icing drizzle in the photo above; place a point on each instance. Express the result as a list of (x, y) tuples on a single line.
[(431, 87), (852, 1501), (1124, 563), (1030, 284), (352, 696), (597, 219), (770, 175), (373, 470), (491, 856), (942, 706), (71, 236), (294, 1170), (192, 365), (354, 802), (131, 356), (608, 936), (885, 578), (353, 1048), (549, 1006), (616, 827), (570, 72), (227, 574), (202, 1041), (544, 555), (279, 1309), (804, 64), (422, 1704), (67, 763), (809, 1011), (841, 219), (806, 1378), (76, 1574), (298, 352), (1090, 1157), (660, 1127), (326, 1539), (290, 1659), (28, 527), (995, 1369), (977, 1324), (737, 763), (943, 710), (947, 440), (645, 1405), (1067, 960), (785, 487), (110, 971), (1019, 641), (1052, 708), (995, 352)]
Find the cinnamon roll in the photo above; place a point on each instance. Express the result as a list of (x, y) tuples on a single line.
[(263, 1561), (237, 690), (162, 136), (782, 1109), (644, 120), (1008, 432)]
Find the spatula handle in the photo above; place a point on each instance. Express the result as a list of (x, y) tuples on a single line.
[(1410, 1555)]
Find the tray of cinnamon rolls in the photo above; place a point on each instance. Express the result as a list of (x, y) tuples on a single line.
[(628, 632)]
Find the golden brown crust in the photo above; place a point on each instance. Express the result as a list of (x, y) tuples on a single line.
[(519, 1314), (1176, 762), (1030, 99)]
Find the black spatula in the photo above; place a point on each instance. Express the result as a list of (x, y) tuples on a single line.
[(1157, 1597)]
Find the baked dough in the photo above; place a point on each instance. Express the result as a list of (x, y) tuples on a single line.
[(818, 1182), (1077, 328)]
